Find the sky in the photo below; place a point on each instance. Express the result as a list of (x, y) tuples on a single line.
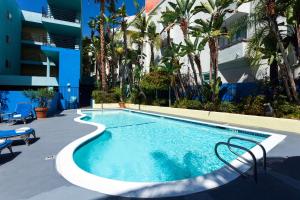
[(89, 9)]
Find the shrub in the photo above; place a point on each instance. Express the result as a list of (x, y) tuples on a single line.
[(210, 106), (117, 92), (227, 107), (188, 104), (104, 97), (253, 105), (160, 102), (41, 96)]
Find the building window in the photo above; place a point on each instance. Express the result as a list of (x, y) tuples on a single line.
[(7, 39), (239, 36), (206, 76), (8, 15), (7, 63)]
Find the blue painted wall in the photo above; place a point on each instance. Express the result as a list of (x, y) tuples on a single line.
[(237, 91), (9, 100), (69, 70), (12, 28)]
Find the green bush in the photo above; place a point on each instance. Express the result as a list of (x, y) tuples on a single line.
[(104, 97), (210, 106), (117, 92), (160, 102), (188, 104), (253, 105), (41, 96), (227, 107)]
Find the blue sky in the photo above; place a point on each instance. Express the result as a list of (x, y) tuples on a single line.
[(89, 9)]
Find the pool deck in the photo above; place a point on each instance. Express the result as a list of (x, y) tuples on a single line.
[(27, 175)]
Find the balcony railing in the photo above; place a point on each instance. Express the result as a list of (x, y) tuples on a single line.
[(60, 14), (35, 37), (52, 40)]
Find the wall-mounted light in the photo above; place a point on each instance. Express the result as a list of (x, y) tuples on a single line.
[(69, 87)]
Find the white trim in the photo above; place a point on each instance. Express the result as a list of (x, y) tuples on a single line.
[(66, 166)]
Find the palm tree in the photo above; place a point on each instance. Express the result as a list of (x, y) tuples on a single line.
[(211, 29), (181, 13), (154, 40), (194, 49), (170, 63), (268, 11), (102, 43)]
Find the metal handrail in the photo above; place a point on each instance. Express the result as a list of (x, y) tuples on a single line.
[(230, 165), (255, 142)]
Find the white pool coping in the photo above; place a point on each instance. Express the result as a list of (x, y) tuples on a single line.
[(66, 166)]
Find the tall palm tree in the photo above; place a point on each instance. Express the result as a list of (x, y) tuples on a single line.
[(211, 29), (269, 11), (154, 40), (181, 13), (102, 43), (171, 64)]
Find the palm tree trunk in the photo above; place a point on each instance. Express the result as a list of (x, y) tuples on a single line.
[(102, 47), (199, 67), (173, 85), (285, 81), (152, 55), (271, 14), (289, 73), (121, 77), (298, 41), (125, 58), (213, 59), (181, 84), (191, 59), (169, 37)]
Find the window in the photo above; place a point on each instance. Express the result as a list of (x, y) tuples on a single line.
[(7, 63), (206, 77), (7, 39), (8, 15)]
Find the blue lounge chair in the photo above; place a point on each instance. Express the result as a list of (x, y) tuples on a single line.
[(23, 133), (22, 113), (6, 144)]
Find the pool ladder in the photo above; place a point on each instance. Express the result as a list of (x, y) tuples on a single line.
[(254, 163)]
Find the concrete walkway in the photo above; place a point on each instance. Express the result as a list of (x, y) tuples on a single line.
[(28, 175)]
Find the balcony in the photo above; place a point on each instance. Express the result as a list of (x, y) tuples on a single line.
[(16, 80), (53, 40), (34, 38), (233, 52), (60, 14), (57, 21)]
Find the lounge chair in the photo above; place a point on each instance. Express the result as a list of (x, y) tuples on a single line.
[(6, 144), (22, 113), (23, 133)]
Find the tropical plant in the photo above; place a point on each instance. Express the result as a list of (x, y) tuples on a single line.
[(267, 13), (154, 40), (102, 42), (211, 29), (210, 91), (170, 63), (41, 96), (181, 13)]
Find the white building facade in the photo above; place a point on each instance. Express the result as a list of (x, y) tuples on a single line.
[(234, 66)]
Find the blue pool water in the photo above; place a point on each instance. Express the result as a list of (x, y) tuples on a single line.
[(144, 148)]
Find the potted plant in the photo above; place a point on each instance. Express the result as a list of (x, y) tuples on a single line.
[(41, 96)]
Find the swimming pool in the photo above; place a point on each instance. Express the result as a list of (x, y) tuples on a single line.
[(139, 149)]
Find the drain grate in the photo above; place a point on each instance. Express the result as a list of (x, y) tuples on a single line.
[(52, 157)]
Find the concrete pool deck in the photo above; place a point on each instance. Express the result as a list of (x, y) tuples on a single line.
[(29, 176)]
